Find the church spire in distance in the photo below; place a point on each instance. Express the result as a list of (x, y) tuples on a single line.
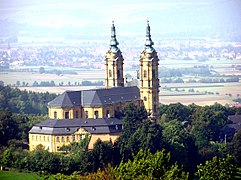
[(149, 42), (113, 42)]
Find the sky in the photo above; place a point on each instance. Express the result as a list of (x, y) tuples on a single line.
[(95, 16)]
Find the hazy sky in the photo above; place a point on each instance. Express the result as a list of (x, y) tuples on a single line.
[(130, 16)]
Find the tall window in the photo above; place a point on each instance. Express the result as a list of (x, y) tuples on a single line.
[(110, 73), (55, 115), (145, 74), (57, 139), (76, 114), (96, 114), (86, 114), (107, 113), (66, 115), (73, 137), (62, 138)]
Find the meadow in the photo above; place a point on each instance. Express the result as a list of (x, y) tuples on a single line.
[(15, 175)]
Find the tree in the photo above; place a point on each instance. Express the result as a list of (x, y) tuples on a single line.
[(217, 168), (146, 165), (147, 136), (178, 111), (18, 83), (180, 144), (42, 160), (8, 127), (211, 119), (200, 136), (237, 147), (102, 154), (41, 70), (108, 173), (77, 147), (133, 118)]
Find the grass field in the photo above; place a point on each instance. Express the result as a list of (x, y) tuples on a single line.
[(12, 175)]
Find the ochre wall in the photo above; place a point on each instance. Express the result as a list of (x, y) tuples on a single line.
[(113, 63), (61, 112), (102, 137), (37, 139), (149, 82), (52, 144)]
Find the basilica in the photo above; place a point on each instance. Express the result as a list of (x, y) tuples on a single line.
[(74, 114)]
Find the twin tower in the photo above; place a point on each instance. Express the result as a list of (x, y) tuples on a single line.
[(149, 82)]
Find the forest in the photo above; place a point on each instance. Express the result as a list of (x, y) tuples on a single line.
[(183, 144), (24, 102)]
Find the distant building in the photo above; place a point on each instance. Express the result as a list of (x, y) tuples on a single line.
[(75, 113), (233, 126)]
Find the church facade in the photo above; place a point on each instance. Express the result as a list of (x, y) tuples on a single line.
[(74, 114)]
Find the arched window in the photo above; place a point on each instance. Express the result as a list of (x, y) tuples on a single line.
[(110, 73), (55, 115), (86, 114), (73, 138), (66, 115), (76, 114), (145, 99), (145, 74), (96, 115), (107, 113)]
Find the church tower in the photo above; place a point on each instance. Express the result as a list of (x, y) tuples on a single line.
[(149, 82), (114, 63)]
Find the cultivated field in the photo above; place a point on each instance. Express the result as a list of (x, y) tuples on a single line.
[(30, 77), (186, 93)]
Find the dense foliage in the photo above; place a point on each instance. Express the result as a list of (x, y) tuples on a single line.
[(15, 127), (17, 101), (146, 165), (217, 168), (189, 135)]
